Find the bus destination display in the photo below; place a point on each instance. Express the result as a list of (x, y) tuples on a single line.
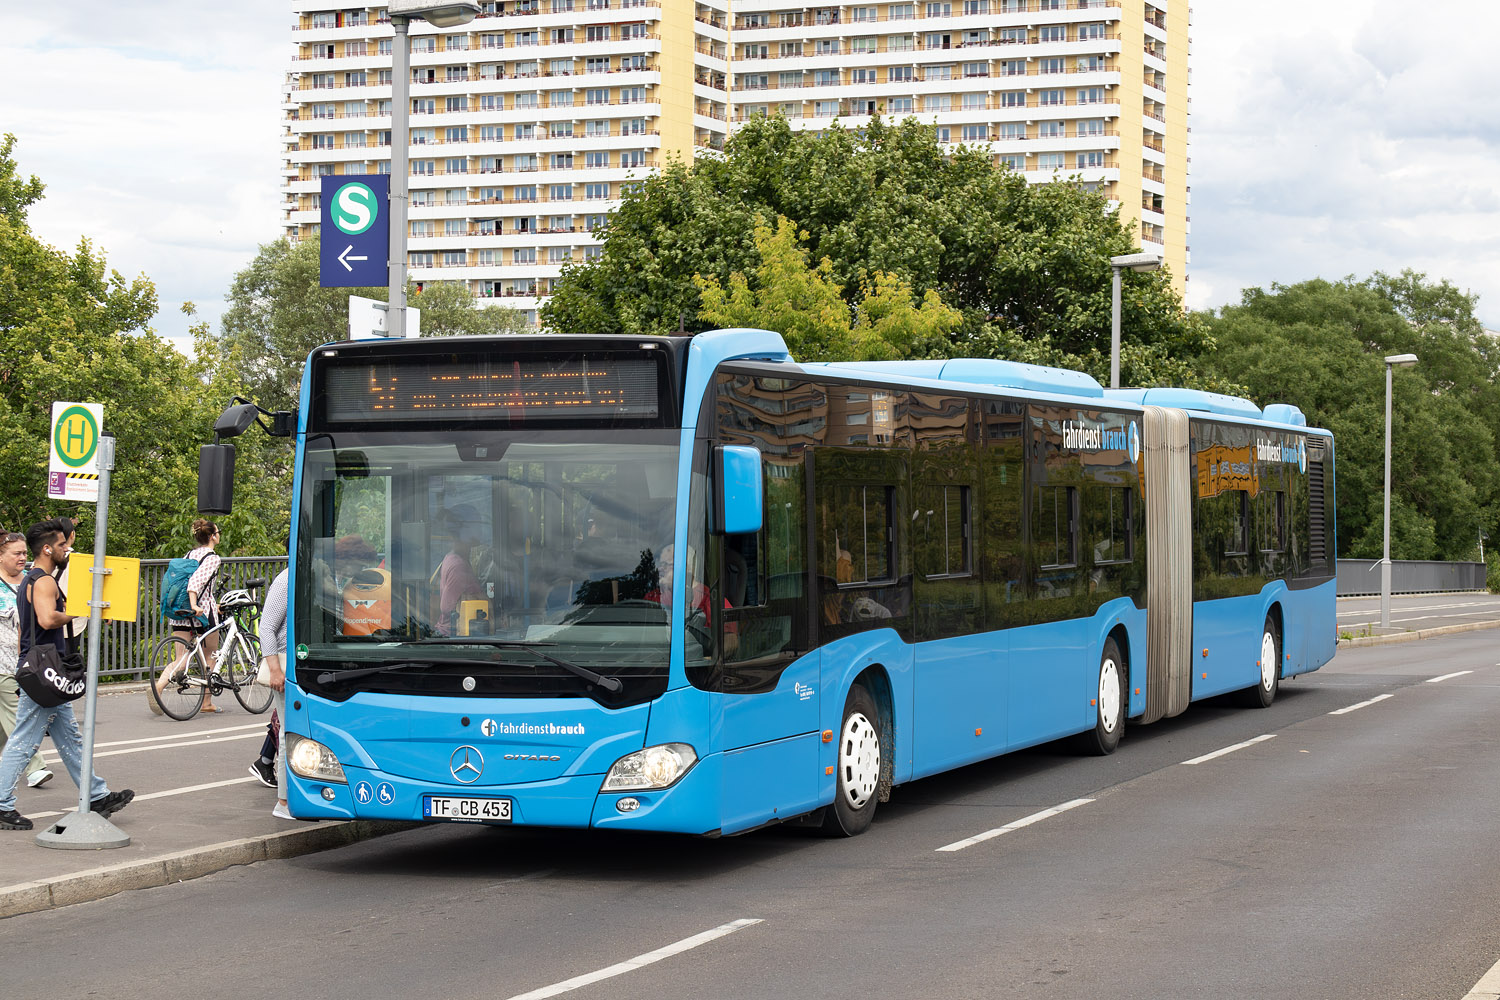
[(515, 389)]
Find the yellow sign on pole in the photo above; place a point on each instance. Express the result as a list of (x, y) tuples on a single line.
[(122, 589)]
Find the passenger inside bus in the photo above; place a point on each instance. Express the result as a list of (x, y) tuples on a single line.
[(454, 580)]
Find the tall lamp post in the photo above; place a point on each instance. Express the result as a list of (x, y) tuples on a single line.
[(1392, 361), (1135, 262), (402, 13)]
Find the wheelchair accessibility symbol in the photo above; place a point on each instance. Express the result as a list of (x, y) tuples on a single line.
[(386, 793), (363, 793)]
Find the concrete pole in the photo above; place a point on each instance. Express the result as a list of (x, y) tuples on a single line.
[(1114, 329), (400, 141), (1385, 561)]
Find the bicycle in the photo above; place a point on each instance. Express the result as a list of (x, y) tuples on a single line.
[(193, 678)]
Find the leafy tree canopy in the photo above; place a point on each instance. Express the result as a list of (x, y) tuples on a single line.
[(1026, 265), (1320, 345), (807, 307), (71, 329)]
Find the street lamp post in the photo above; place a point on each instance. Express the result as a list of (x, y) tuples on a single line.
[(1135, 262), (402, 13), (1392, 361)]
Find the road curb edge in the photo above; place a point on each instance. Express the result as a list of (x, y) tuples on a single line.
[(179, 866)]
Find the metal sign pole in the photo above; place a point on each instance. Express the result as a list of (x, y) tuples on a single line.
[(86, 830)]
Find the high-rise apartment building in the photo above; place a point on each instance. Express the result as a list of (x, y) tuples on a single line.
[(527, 124)]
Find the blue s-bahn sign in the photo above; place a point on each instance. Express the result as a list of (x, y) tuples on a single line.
[(356, 233)]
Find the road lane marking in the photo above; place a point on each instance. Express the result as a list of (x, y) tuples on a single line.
[(640, 961), (199, 734), (51, 756), (160, 795), (1018, 824), (1448, 677), (1225, 750), (1363, 704), (1488, 987)]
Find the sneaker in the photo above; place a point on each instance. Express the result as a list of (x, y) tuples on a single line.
[(112, 803), (151, 701), (36, 779), (12, 820), (263, 772), (280, 812)]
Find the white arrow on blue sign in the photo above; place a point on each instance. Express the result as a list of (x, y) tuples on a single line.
[(356, 235)]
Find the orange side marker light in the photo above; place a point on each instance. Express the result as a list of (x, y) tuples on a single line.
[(828, 771), (828, 736)]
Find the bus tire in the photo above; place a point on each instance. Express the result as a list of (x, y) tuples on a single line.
[(857, 768), (1263, 692), (1109, 703)]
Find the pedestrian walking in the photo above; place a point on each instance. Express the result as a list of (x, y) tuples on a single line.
[(12, 569), (273, 651), (205, 609), (42, 615)]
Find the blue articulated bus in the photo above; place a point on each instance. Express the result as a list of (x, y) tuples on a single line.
[(688, 584)]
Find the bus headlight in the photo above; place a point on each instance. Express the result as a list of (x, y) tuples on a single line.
[(653, 767), (311, 759)]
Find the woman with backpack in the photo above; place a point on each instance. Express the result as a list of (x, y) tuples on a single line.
[(205, 611)]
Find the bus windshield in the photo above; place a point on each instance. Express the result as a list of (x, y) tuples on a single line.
[(547, 539)]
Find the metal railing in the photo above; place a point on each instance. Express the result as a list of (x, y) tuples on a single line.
[(125, 647), (1361, 577)]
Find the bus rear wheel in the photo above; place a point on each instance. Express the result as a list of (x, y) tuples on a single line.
[(857, 785), (1264, 691), (1109, 703)]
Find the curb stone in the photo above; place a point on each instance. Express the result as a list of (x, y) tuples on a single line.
[(1425, 633), (179, 866)]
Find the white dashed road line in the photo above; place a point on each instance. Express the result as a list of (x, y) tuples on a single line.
[(1238, 746), (160, 795), (1448, 677), (1359, 705), (1007, 828), (640, 961), (1488, 987)]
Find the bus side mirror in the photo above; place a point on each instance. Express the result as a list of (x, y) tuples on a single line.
[(216, 479), (741, 506)]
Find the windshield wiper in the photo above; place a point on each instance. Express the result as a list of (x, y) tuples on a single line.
[(608, 683), (329, 676)]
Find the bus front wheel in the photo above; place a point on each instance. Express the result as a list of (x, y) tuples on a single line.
[(857, 785), (1264, 692)]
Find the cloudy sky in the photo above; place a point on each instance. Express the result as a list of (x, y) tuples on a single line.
[(1331, 138)]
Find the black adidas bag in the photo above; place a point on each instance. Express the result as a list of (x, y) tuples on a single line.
[(49, 677)]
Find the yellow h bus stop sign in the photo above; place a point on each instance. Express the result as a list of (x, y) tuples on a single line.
[(73, 468)]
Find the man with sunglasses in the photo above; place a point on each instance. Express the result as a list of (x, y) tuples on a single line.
[(12, 569), (42, 617)]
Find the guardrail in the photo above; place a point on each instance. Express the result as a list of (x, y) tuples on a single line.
[(1361, 577), (124, 647)]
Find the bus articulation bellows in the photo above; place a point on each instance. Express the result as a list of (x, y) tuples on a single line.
[(688, 584)]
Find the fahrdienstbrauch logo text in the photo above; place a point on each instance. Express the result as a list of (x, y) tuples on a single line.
[(1272, 451)]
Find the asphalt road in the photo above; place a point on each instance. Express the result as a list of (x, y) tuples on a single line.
[(1337, 855), (1361, 615)]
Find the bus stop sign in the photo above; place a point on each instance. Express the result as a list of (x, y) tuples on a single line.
[(356, 234)]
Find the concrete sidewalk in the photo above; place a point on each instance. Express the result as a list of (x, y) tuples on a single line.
[(197, 809)]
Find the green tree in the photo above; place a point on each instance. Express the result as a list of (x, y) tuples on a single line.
[(71, 329), (807, 306), (1320, 346), (1023, 264)]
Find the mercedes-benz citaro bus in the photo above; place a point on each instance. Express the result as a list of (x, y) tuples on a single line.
[(689, 584)]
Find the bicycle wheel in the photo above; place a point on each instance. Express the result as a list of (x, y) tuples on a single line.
[(185, 687), (239, 666)]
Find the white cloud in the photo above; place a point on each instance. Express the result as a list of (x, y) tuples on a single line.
[(156, 128), (1344, 138)]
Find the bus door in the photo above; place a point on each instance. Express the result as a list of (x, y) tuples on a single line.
[(959, 699)]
